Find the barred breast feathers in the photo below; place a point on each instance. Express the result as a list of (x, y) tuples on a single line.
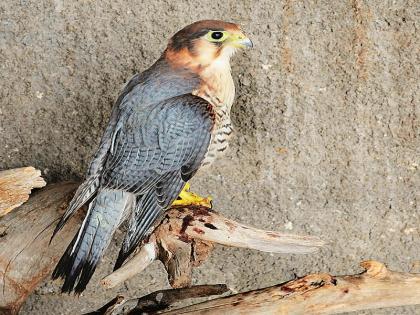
[(218, 89)]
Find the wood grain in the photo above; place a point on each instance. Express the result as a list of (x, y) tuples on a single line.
[(376, 287), (26, 257), (16, 185)]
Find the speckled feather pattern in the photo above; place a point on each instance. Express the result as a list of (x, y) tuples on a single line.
[(218, 89)]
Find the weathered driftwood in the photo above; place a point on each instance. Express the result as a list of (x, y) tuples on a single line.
[(26, 257), (186, 236), (181, 241), (377, 287), (159, 300), (16, 186)]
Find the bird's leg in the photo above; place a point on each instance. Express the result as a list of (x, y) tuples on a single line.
[(187, 198)]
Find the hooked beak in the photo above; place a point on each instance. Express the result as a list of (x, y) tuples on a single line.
[(240, 41), (246, 42)]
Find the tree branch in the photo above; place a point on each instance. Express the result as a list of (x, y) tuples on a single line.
[(376, 287), (139, 262), (185, 238)]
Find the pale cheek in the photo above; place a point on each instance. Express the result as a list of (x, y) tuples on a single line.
[(205, 52)]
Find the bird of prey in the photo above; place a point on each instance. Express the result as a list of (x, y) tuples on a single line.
[(168, 122)]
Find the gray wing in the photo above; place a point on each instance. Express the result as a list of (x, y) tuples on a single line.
[(154, 152), (90, 186), (101, 154)]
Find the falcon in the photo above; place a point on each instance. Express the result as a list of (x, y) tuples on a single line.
[(169, 121)]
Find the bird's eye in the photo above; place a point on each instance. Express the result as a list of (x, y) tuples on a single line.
[(217, 36)]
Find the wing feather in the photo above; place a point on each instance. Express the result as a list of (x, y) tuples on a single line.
[(175, 135)]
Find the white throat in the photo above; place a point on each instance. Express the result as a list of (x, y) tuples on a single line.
[(219, 78)]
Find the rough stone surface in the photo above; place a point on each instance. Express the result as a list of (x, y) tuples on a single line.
[(327, 130)]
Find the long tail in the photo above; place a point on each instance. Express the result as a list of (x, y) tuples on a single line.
[(79, 261)]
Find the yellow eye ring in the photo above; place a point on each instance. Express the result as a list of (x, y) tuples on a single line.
[(216, 36)]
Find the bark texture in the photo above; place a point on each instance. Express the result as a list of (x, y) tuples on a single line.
[(376, 287), (186, 236), (16, 185), (26, 257), (182, 240)]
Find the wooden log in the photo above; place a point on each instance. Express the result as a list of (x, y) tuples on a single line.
[(16, 186), (376, 287), (26, 257)]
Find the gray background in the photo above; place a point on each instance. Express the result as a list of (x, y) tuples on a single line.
[(326, 117)]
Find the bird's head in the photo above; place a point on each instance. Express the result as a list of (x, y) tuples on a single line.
[(205, 43)]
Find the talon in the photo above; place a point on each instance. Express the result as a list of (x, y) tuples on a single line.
[(187, 198)]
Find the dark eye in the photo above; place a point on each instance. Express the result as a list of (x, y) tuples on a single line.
[(216, 35)]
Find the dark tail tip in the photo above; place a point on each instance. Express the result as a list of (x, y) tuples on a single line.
[(64, 270), (75, 272), (65, 263)]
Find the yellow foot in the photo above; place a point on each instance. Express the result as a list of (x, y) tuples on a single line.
[(187, 198)]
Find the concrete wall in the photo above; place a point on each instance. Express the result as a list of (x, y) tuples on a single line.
[(327, 130)]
